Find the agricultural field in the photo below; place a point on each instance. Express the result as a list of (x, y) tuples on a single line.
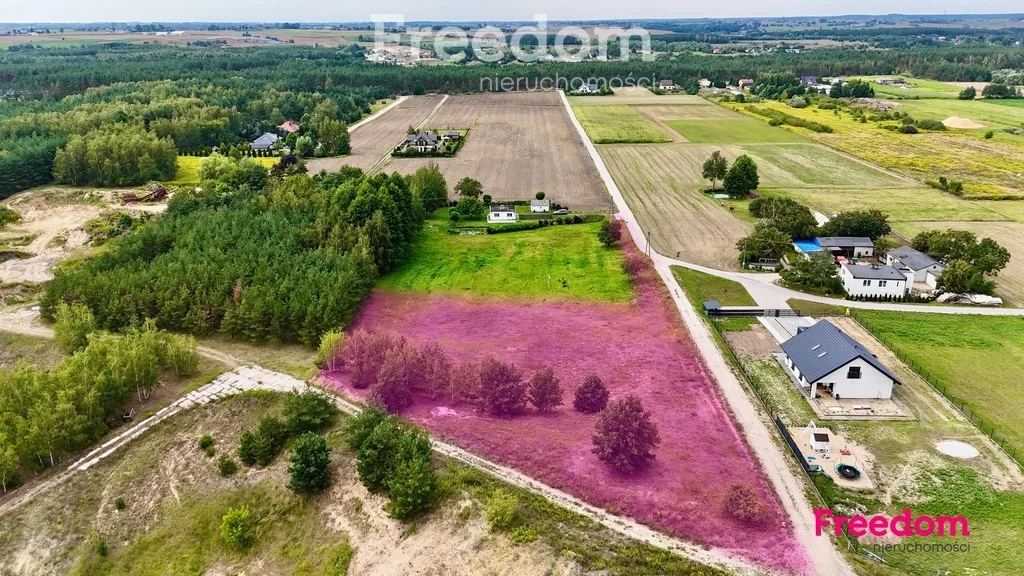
[(636, 96), (558, 262), (986, 167), (1010, 235), (814, 165), (619, 125), (901, 204), (636, 348), (372, 141), (731, 131), (188, 170), (519, 143), (662, 185), (922, 88)]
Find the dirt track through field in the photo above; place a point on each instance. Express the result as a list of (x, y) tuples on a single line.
[(519, 144)]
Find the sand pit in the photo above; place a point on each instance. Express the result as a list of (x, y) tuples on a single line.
[(957, 449), (961, 123)]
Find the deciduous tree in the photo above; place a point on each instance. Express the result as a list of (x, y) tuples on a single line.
[(592, 396), (742, 178), (715, 168), (625, 436)]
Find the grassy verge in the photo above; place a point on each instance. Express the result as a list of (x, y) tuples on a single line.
[(557, 262), (809, 308), (701, 287)]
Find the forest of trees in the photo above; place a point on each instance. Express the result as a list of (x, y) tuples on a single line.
[(285, 262)]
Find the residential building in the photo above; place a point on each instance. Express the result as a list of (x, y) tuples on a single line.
[(502, 214), (265, 142), (823, 358), (540, 205), (290, 127), (704, 83), (745, 83), (421, 141), (874, 281), (808, 80), (919, 263), (848, 246), (667, 85)]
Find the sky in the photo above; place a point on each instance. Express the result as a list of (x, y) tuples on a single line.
[(452, 10)]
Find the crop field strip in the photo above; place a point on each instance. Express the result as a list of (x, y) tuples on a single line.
[(505, 131), (620, 124)]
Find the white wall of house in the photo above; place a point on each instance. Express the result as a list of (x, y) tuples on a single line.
[(872, 383), (540, 208), (861, 287), (931, 278), (503, 216)]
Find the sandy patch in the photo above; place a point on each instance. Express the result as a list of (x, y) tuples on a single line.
[(957, 449), (961, 123)]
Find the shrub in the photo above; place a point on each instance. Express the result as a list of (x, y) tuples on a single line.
[(72, 325), (592, 396), (934, 125), (632, 265), (625, 437), (205, 442), (743, 503), (308, 411), (238, 528), (412, 484), (470, 207), (501, 388), (361, 425), (502, 510), (523, 535), (376, 454), (454, 215), (226, 466), (328, 353), (259, 447), (311, 462), (102, 549), (120, 504), (539, 195), (610, 233), (907, 129), (989, 135), (544, 390)]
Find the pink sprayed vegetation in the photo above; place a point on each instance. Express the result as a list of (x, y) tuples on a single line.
[(640, 349)]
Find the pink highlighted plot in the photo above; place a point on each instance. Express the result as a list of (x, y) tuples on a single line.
[(640, 349)]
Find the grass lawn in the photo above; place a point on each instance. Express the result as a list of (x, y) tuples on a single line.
[(559, 262), (731, 131), (700, 287), (618, 124), (188, 170), (977, 359)]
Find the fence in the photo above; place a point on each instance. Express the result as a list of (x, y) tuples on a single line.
[(987, 428), (744, 311)]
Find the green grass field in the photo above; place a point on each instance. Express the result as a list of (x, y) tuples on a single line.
[(188, 170), (618, 124), (901, 204), (978, 359), (816, 165), (701, 287), (731, 131), (922, 89), (560, 262)]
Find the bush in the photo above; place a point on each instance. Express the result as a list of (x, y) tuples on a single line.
[(376, 455), (72, 325), (539, 195), (544, 390), (743, 503), (454, 215), (610, 233), (361, 425), (625, 437), (907, 129), (102, 549), (329, 351), (308, 411), (989, 135), (934, 125), (226, 466), (412, 484), (120, 504), (501, 388), (502, 510), (259, 447), (632, 265), (592, 396), (205, 442), (238, 528), (311, 462), (471, 208)]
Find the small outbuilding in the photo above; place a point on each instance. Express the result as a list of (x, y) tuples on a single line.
[(543, 205), (500, 214), (848, 246), (823, 356)]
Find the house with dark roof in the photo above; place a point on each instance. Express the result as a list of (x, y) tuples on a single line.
[(667, 85), (920, 264), (421, 141), (500, 213), (848, 246), (824, 358), (864, 280), (265, 142)]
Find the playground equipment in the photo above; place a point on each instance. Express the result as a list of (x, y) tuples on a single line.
[(848, 470)]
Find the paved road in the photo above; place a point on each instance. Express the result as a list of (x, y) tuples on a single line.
[(825, 558)]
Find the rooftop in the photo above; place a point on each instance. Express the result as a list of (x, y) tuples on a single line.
[(502, 208), (823, 348), (845, 241), (913, 259), (872, 272), (544, 202)]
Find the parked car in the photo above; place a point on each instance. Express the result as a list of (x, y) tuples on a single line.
[(561, 212)]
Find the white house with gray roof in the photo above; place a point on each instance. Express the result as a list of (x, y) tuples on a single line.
[(863, 280), (823, 356), (915, 261)]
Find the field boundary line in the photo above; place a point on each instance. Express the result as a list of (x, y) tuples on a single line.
[(825, 558), (376, 114), (379, 164)]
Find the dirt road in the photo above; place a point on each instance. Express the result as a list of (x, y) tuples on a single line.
[(826, 559)]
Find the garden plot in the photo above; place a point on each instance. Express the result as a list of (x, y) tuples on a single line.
[(375, 139), (638, 349), (518, 144)]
